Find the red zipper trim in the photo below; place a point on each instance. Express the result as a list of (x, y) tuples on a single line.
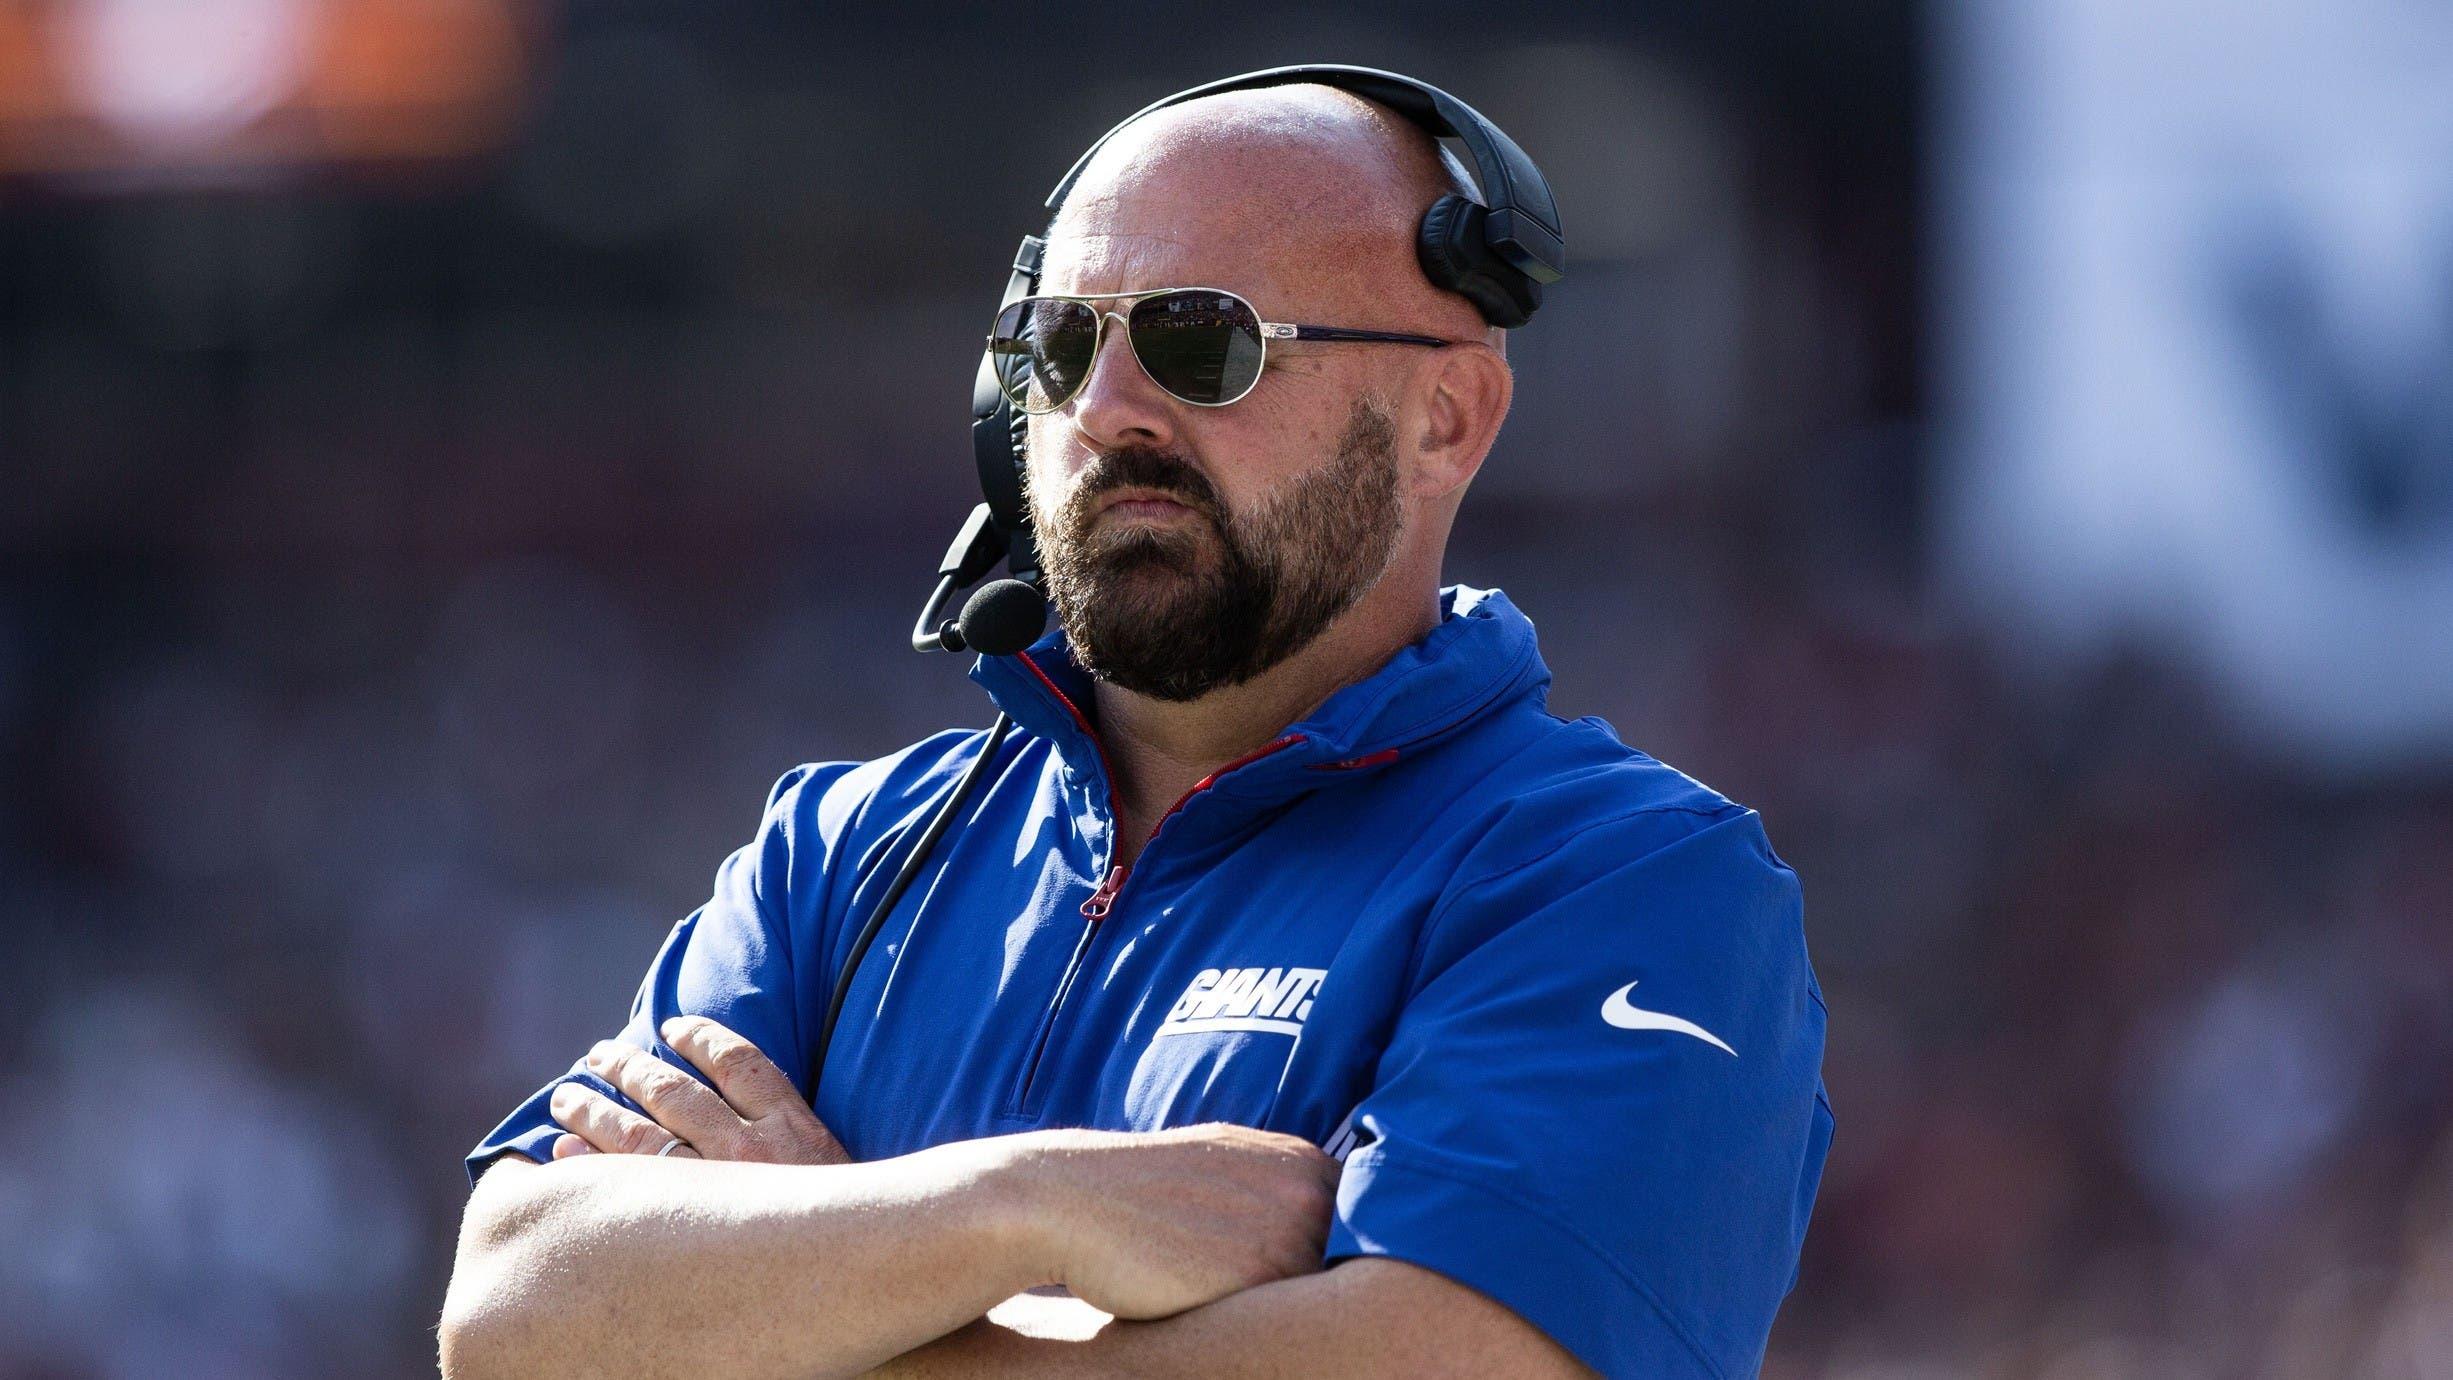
[(1370, 759), (1078, 718), (1103, 900)]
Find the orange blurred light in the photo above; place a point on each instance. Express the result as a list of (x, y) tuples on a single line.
[(117, 85), (410, 79)]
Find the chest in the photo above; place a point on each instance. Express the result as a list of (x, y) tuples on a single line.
[(1252, 981)]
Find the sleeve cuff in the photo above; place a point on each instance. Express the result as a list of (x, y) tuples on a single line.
[(1521, 1255), (531, 1129)]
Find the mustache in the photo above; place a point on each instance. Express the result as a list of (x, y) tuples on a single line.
[(1141, 468)]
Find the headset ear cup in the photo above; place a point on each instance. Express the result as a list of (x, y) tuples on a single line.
[(998, 458), (1022, 542), (1454, 255), (1445, 228)]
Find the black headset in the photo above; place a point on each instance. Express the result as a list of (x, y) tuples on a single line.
[(1498, 253)]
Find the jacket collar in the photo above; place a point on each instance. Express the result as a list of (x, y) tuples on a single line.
[(1481, 658)]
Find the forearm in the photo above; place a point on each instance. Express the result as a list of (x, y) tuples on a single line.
[(620, 1265), (1257, 1334), (1361, 1319)]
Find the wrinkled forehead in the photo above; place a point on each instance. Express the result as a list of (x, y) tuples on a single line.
[(1178, 227), (1140, 240), (1272, 204)]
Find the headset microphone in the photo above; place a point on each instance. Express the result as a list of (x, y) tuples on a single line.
[(1003, 618)]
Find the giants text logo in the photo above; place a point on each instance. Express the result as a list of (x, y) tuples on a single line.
[(1245, 999)]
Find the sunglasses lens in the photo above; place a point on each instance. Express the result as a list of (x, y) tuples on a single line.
[(1043, 349), (1202, 346)]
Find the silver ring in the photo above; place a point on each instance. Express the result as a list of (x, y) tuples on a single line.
[(670, 1146)]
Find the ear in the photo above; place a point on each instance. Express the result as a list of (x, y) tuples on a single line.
[(1461, 396)]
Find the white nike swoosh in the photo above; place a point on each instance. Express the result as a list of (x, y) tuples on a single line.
[(1619, 1013)]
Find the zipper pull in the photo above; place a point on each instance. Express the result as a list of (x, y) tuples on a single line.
[(1104, 899)]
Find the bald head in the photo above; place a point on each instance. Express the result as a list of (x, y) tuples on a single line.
[(1312, 195)]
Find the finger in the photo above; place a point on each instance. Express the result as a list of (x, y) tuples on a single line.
[(603, 1123), (567, 1145), (678, 1102), (825, 1147), (749, 1080)]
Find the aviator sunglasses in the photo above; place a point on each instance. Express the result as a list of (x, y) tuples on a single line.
[(1205, 346)]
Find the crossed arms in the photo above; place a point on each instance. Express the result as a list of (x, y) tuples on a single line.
[(762, 1250)]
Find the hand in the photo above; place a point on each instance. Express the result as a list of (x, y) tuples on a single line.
[(1148, 1224), (760, 1117)]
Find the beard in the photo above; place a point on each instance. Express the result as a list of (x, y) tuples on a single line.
[(1179, 610)]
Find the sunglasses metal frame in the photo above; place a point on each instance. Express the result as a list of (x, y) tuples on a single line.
[(1269, 330)]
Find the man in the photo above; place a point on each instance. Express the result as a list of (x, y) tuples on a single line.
[(1286, 866)]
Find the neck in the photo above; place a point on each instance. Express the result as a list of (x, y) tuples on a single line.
[(1158, 749)]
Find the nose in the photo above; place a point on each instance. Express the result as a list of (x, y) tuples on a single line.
[(1118, 404)]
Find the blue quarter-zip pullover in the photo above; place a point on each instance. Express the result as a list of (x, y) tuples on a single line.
[(1547, 997)]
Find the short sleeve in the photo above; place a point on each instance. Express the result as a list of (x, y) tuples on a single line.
[(731, 960), (1602, 1105)]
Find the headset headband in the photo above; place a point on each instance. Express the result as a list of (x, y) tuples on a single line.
[(1523, 220)]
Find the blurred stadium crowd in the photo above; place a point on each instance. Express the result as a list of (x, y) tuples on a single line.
[(418, 556)]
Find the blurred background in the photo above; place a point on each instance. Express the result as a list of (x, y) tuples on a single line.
[(455, 454)]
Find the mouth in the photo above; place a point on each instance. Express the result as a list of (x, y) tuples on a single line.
[(1146, 505), (1149, 509)]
